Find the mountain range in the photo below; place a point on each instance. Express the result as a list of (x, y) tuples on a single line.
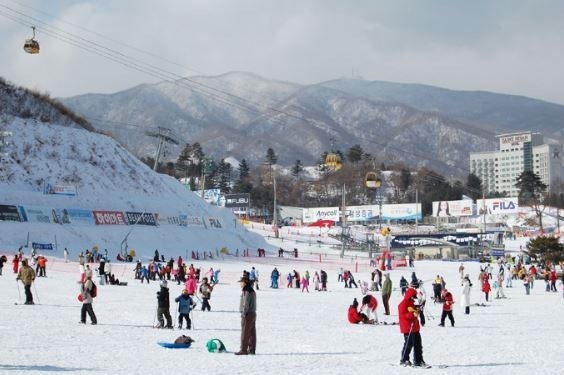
[(241, 115)]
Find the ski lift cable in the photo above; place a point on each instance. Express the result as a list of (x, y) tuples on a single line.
[(131, 63), (172, 77), (148, 53)]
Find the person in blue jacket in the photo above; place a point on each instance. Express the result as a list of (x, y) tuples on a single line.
[(185, 305)]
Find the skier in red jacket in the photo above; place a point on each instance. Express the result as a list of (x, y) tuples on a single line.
[(447, 309), (355, 317), (409, 327)]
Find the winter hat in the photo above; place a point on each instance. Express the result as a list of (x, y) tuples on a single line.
[(355, 303), (164, 284)]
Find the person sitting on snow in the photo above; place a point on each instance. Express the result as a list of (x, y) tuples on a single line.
[(356, 317)]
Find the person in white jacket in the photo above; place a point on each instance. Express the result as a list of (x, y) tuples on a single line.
[(466, 289)]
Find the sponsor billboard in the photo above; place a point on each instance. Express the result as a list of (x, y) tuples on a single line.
[(168, 219), (9, 213), (214, 223), (452, 208), (404, 211), (60, 189), (194, 221), (79, 216), (237, 200), (140, 218), (498, 206), (311, 215), (42, 246), (37, 214), (109, 218)]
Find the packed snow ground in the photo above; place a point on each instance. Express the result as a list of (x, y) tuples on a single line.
[(297, 332)]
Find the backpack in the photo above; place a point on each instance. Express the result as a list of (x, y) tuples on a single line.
[(215, 346), (93, 290), (187, 340)]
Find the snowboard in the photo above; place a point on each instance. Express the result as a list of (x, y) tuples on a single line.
[(171, 345)]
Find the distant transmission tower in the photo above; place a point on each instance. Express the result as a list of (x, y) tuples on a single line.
[(164, 135)]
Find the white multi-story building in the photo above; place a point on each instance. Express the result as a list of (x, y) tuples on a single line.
[(518, 152)]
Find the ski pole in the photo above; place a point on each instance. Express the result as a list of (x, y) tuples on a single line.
[(35, 290), (406, 344), (19, 294)]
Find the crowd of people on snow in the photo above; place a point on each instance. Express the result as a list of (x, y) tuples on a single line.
[(198, 286)]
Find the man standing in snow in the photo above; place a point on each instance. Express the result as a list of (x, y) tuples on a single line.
[(248, 309), (386, 293), (409, 326), (27, 275)]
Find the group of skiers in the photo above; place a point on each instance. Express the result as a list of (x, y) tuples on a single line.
[(300, 281)]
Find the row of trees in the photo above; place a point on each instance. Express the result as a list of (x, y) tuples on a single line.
[(294, 189)]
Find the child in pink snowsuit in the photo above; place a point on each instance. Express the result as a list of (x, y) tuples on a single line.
[(305, 284), (191, 285)]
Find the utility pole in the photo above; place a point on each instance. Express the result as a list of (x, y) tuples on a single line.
[(344, 223), (275, 213), (164, 135), (416, 211)]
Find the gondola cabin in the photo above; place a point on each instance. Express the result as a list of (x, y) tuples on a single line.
[(372, 180), (31, 46), (333, 161)]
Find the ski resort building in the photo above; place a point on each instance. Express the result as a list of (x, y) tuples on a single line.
[(516, 153)]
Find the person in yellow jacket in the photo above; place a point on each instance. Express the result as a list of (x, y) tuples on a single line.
[(27, 275)]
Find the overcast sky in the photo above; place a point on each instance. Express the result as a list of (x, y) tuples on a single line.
[(511, 46)]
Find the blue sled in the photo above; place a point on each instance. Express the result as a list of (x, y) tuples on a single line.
[(171, 345)]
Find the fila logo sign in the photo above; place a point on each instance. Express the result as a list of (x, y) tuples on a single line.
[(503, 206)]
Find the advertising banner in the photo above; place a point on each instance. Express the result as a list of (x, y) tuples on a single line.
[(237, 200), (194, 221), (498, 206), (79, 216), (60, 189), (169, 220), (452, 208), (9, 213), (311, 215), (42, 246), (140, 218), (214, 223), (109, 218), (404, 211), (37, 214), (362, 213)]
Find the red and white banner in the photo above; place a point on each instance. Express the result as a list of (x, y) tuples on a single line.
[(109, 218)]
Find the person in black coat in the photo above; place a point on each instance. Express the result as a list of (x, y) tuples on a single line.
[(164, 306), (323, 277)]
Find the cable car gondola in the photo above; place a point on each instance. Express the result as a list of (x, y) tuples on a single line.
[(31, 45), (333, 161), (372, 180)]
